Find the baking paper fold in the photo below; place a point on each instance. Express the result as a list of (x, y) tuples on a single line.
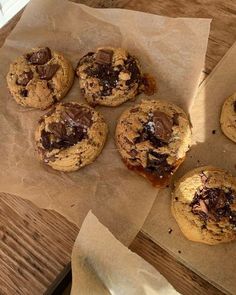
[(171, 49), (102, 265), (210, 147)]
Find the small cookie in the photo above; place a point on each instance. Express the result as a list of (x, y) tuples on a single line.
[(228, 117), (109, 76), (70, 136), (153, 138), (204, 205), (40, 78)]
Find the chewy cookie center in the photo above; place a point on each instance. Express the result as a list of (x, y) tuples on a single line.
[(214, 204), (71, 129)]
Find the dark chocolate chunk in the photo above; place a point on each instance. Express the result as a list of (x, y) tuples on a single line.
[(57, 129), (170, 230), (24, 78), (24, 92), (213, 131), (54, 98), (133, 153), (104, 56), (234, 104), (77, 115), (39, 57), (157, 164), (45, 139), (147, 133), (162, 125), (50, 86), (46, 72)]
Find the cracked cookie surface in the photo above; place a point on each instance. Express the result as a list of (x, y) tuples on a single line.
[(228, 117), (111, 76), (70, 136), (153, 138), (204, 205), (40, 78)]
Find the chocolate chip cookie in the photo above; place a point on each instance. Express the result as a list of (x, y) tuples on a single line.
[(204, 205), (70, 136), (153, 138), (111, 76), (40, 78), (228, 117)]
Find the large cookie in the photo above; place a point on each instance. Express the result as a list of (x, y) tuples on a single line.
[(70, 136), (40, 78), (228, 117), (111, 76), (153, 138), (204, 205)]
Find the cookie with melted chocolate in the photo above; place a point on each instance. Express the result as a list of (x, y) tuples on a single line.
[(204, 205), (153, 138), (111, 76), (70, 136), (40, 78)]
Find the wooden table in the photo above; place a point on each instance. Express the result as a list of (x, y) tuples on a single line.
[(222, 36)]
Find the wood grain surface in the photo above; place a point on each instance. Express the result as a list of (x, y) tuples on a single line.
[(35, 247), (222, 36)]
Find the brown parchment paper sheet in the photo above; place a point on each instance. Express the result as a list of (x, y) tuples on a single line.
[(215, 263), (102, 265), (171, 49)]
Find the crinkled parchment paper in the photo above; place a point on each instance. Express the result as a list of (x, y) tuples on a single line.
[(215, 263), (172, 49), (102, 265)]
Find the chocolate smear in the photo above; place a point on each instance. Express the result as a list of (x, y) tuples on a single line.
[(132, 66), (24, 78), (214, 204), (24, 92), (39, 57), (46, 72), (104, 56)]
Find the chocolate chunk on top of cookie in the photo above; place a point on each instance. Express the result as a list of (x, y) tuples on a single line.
[(40, 78), (70, 136), (152, 141), (111, 76)]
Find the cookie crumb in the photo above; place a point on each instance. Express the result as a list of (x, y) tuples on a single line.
[(170, 230)]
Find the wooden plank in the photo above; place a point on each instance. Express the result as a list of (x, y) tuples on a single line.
[(183, 279), (35, 247)]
